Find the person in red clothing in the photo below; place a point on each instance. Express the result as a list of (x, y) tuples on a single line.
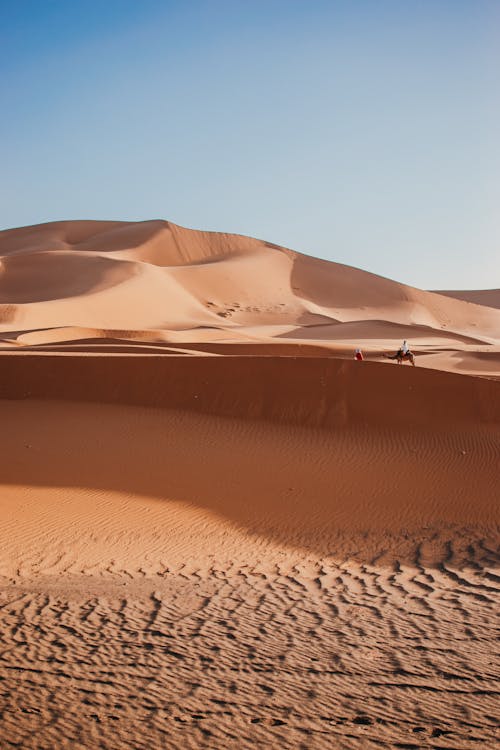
[(358, 354)]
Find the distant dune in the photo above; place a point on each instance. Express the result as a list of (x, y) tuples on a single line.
[(218, 529), (486, 297), (124, 284)]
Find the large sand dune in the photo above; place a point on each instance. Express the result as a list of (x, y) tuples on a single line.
[(157, 282), (220, 531)]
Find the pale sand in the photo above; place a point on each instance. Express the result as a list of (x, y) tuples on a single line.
[(123, 284), (279, 547)]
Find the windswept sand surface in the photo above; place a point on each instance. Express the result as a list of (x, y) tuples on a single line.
[(217, 530)]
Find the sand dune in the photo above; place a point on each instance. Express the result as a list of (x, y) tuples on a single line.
[(486, 297), (328, 457), (217, 529), (165, 283)]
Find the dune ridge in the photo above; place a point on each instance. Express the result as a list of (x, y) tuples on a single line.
[(315, 391), (161, 282)]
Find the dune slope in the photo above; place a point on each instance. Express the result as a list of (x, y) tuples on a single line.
[(158, 282), (281, 574), (217, 530)]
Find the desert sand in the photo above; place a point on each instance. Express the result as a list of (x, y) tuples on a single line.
[(217, 529)]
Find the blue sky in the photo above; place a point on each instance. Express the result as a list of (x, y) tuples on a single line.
[(364, 132)]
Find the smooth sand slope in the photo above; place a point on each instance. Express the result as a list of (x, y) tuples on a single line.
[(486, 297), (279, 547), (117, 285)]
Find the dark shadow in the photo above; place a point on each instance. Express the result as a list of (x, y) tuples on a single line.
[(43, 276), (483, 297), (321, 473)]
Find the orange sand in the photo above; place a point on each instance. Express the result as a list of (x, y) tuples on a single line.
[(217, 529)]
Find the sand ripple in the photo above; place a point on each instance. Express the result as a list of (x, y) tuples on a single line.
[(302, 655)]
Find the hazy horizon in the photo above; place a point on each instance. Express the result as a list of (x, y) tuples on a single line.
[(362, 134)]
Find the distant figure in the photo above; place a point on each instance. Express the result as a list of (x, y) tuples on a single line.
[(403, 354), (358, 354)]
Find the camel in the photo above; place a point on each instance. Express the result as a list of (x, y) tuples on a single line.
[(402, 356)]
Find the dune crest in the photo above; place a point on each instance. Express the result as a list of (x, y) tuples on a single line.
[(166, 283)]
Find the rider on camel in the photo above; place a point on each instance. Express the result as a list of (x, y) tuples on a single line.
[(403, 354), (404, 348)]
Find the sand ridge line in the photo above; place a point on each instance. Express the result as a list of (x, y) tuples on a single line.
[(315, 391)]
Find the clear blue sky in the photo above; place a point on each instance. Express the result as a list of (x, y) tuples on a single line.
[(364, 132)]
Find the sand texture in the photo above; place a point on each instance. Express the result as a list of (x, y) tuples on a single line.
[(217, 529)]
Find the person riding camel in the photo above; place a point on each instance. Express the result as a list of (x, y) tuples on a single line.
[(404, 348), (403, 354)]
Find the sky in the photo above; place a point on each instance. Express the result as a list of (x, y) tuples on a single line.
[(365, 132)]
